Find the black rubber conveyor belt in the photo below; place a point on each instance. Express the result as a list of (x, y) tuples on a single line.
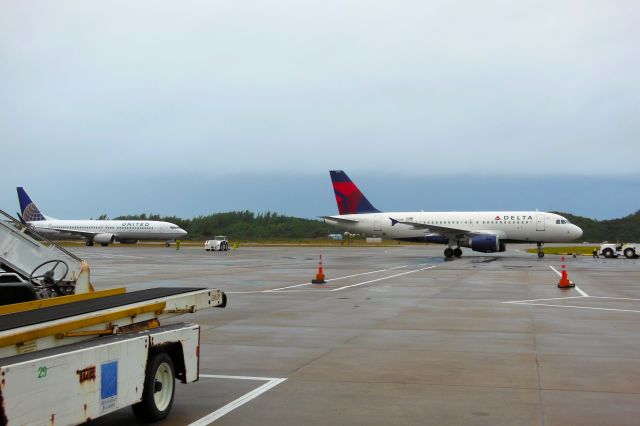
[(51, 313)]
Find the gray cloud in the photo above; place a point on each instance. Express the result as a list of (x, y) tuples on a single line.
[(407, 87)]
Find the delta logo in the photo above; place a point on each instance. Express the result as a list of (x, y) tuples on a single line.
[(514, 218)]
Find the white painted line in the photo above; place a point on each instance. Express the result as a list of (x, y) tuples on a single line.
[(337, 279), (581, 292), (615, 298), (279, 289), (384, 278), (551, 298), (580, 307), (555, 270), (212, 417)]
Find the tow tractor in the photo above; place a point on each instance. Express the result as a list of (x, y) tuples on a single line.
[(629, 250), (69, 353)]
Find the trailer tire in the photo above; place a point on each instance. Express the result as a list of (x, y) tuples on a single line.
[(159, 389), (608, 253)]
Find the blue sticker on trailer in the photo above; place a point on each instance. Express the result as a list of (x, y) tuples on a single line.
[(109, 385)]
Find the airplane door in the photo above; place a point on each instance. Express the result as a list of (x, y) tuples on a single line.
[(377, 223), (540, 222)]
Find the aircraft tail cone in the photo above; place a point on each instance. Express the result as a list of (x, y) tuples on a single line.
[(564, 278), (319, 275)]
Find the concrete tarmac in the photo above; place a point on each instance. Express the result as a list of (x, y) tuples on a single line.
[(397, 335)]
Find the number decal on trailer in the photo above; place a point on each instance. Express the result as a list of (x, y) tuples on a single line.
[(42, 372)]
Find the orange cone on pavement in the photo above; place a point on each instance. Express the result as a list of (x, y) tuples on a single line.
[(320, 275), (564, 278)]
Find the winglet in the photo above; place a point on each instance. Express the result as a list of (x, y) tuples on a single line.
[(348, 197), (30, 212)]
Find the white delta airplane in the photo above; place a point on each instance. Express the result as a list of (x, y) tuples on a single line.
[(485, 232), (102, 232)]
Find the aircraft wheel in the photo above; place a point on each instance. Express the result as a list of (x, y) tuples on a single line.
[(89, 243), (540, 254), (448, 252), (457, 252)]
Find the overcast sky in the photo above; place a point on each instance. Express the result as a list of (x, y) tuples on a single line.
[(121, 107)]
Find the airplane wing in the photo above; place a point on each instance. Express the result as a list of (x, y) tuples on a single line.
[(340, 219), (430, 228), (444, 230), (84, 234)]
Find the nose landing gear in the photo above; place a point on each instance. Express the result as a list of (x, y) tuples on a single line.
[(540, 252)]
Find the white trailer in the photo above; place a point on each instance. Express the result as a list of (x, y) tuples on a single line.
[(69, 354), (79, 382)]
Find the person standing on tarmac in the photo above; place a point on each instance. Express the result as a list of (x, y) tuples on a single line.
[(595, 253)]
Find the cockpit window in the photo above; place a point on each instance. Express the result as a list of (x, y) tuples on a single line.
[(561, 222), (173, 227)]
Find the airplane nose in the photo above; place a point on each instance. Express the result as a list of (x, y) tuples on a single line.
[(578, 231), (183, 232)]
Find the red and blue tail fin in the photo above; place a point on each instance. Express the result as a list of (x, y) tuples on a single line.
[(28, 208), (349, 198)]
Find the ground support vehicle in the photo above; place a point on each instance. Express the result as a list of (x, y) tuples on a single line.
[(219, 243), (68, 357), (628, 250)]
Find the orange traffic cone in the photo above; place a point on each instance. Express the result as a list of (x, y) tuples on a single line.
[(564, 278), (320, 275)]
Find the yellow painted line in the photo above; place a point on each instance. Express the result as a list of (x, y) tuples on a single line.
[(60, 300), (62, 329)]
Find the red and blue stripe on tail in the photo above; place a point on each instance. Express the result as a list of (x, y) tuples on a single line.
[(349, 198)]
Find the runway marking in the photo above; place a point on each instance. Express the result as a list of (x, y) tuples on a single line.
[(580, 307), (287, 288), (340, 278), (383, 278), (583, 295), (212, 417), (551, 298)]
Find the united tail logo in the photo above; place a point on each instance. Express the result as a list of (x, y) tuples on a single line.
[(349, 198), (28, 208)]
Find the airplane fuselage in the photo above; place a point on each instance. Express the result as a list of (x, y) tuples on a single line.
[(121, 230), (523, 226)]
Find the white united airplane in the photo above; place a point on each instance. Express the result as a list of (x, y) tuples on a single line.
[(102, 232), (485, 232)]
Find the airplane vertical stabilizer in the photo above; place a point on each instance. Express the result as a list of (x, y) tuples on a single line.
[(28, 208), (349, 198)]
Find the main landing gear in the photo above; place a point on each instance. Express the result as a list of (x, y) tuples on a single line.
[(450, 252), (540, 252)]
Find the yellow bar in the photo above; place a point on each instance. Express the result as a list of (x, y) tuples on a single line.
[(60, 300), (64, 328)]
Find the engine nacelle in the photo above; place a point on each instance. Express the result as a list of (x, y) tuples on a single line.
[(486, 244), (104, 238)]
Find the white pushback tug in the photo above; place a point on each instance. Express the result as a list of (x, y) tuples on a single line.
[(82, 353)]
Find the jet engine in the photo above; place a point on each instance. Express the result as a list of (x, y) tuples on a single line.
[(486, 244), (104, 238)]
